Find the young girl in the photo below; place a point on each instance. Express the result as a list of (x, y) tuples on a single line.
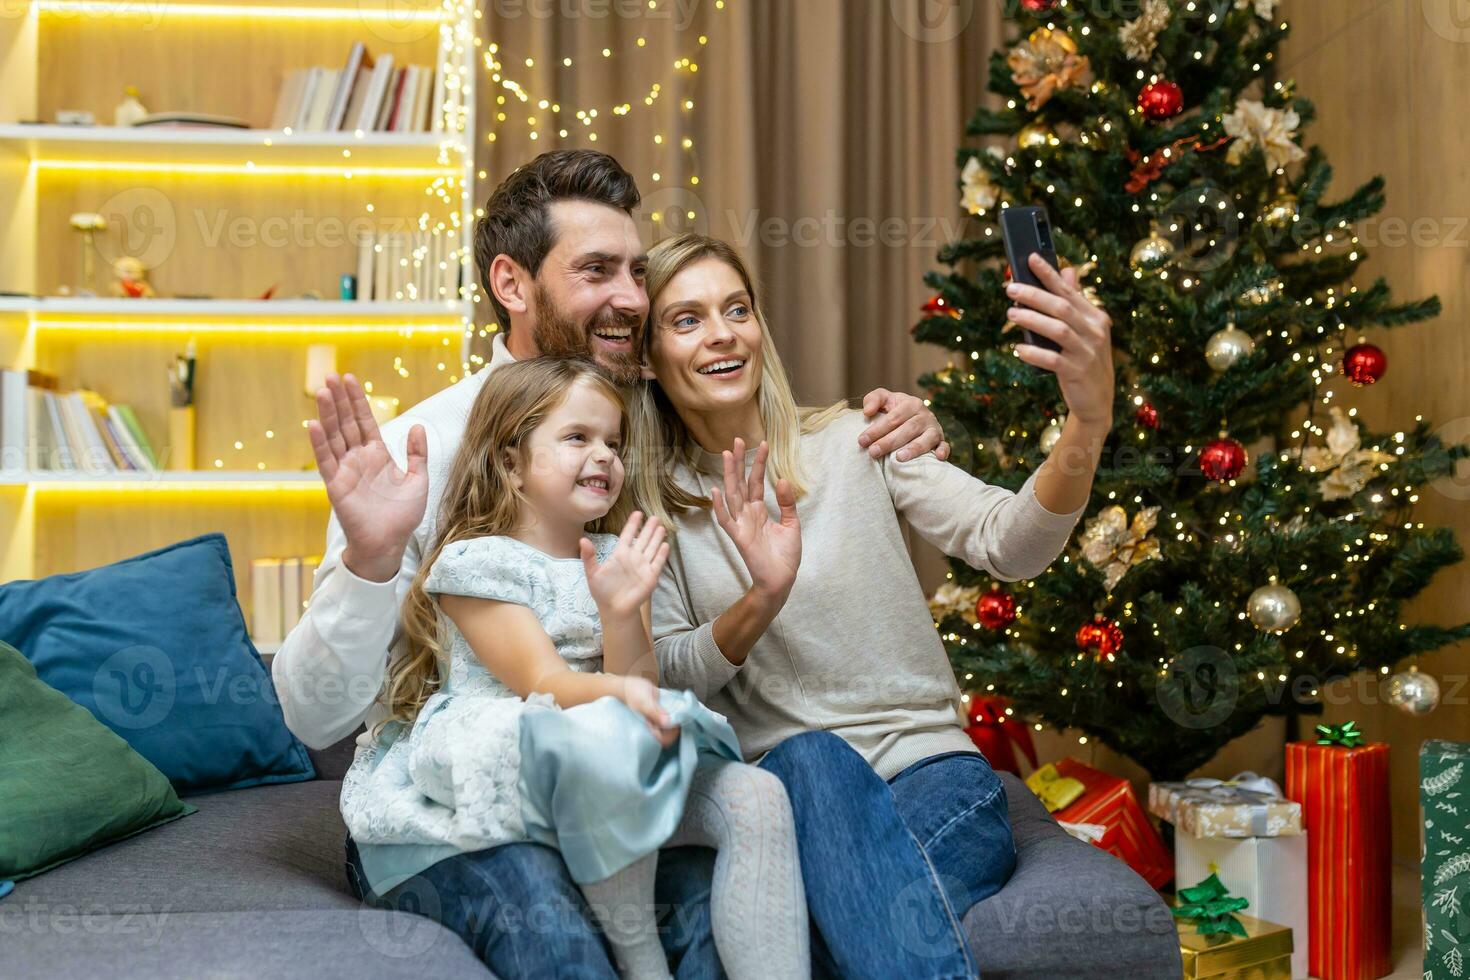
[(528, 706)]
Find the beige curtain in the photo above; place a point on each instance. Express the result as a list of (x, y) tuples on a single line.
[(824, 136)]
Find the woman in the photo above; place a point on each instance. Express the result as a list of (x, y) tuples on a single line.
[(811, 633)]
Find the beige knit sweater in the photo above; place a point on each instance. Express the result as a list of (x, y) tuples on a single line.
[(854, 650)]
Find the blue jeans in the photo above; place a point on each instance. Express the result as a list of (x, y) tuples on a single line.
[(518, 909), (891, 868)]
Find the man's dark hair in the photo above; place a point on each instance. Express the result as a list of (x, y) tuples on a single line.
[(517, 219)]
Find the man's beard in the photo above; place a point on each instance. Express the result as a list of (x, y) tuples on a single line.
[(558, 335)]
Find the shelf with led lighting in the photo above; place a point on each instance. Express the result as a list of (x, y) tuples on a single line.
[(237, 309), (190, 480), (116, 148), (288, 210)]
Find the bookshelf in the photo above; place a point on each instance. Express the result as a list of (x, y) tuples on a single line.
[(220, 217)]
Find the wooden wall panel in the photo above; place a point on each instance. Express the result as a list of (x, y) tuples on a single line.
[(1389, 81)]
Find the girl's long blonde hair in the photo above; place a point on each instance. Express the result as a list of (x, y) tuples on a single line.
[(480, 498), (659, 437)]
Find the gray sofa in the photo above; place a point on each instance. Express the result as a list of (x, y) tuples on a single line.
[(253, 885)]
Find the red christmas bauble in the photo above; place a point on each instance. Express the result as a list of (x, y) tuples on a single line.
[(996, 609), (1039, 6), (1222, 459), (1100, 635), (939, 306), (1364, 364), (1161, 99), (1147, 416)]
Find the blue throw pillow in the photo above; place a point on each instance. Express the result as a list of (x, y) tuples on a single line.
[(155, 647)]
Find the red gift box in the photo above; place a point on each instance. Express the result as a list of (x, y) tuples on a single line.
[(1344, 798), (1109, 800)]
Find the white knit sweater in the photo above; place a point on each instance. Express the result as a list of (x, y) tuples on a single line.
[(854, 650)]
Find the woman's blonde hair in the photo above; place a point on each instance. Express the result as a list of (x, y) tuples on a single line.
[(658, 435), (480, 498)]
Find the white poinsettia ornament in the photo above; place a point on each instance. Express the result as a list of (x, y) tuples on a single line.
[(979, 191), (1112, 544), (1254, 125), (951, 599), (1345, 466), (1265, 9)]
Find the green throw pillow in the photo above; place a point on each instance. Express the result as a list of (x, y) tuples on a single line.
[(68, 783)]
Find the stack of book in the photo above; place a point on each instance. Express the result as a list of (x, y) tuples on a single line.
[(373, 96), (280, 589), (45, 429), (407, 266)]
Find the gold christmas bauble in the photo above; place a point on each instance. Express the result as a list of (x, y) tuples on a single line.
[(1152, 253), (1280, 213), (1274, 608), (1034, 135), (1262, 294), (1049, 436), (1226, 347)]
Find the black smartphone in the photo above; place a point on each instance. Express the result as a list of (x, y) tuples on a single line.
[(1027, 230)]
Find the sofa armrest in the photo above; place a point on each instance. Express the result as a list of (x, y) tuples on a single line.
[(1070, 909)]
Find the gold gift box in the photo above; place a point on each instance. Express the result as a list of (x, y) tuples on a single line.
[(1264, 953)]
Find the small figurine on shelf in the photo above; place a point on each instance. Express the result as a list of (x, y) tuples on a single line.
[(129, 110), (88, 223), (181, 410), (132, 279)]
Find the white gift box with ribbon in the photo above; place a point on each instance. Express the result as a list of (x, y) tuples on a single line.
[(1269, 872)]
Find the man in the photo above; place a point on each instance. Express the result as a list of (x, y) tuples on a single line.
[(559, 255)]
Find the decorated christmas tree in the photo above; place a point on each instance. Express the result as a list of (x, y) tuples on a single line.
[(1248, 540)]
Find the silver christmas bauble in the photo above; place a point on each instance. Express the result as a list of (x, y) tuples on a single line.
[(1227, 346), (1274, 608), (1152, 253), (1413, 692)]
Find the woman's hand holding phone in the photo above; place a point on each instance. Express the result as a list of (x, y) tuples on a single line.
[(1063, 314)]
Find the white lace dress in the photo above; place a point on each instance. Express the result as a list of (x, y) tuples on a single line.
[(450, 784)]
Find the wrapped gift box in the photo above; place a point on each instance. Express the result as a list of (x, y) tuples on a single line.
[(1246, 806), (1344, 798), (1444, 829), (1264, 953), (1268, 872), (1109, 800)]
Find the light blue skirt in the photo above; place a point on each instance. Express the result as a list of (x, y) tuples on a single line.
[(596, 784)]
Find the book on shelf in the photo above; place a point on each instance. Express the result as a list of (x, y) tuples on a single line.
[(47, 430), (405, 267), (280, 589), (366, 93)]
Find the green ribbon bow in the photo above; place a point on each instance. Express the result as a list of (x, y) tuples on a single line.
[(1345, 735), (1210, 907)]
